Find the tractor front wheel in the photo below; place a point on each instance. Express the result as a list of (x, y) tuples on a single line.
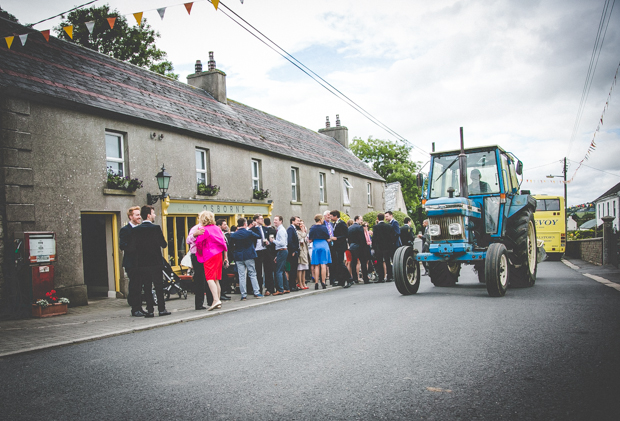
[(444, 274), (406, 271), (496, 270)]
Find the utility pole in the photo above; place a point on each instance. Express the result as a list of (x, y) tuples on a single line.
[(565, 187)]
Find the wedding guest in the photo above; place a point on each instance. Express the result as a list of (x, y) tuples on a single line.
[(210, 246), (321, 256)]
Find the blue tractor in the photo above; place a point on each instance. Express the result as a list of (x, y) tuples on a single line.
[(478, 217)]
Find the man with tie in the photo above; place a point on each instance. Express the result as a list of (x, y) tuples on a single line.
[(134, 296)]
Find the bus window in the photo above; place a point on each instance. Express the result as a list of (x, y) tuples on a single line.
[(552, 204), (540, 205)]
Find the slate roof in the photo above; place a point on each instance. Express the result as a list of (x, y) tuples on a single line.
[(611, 192), (76, 76)]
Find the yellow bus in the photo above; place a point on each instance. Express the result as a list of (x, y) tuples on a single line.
[(550, 218)]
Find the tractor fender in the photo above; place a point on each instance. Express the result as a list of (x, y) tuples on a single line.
[(520, 202)]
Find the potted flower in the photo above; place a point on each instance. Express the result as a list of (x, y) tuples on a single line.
[(260, 194), (118, 182), (51, 305), (208, 190)]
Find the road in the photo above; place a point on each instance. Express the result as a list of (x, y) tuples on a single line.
[(550, 352)]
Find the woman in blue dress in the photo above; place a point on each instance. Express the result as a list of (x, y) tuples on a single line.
[(321, 256)]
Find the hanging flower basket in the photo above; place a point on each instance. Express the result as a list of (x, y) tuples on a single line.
[(117, 182), (208, 190), (260, 194)]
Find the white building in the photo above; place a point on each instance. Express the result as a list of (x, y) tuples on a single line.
[(608, 204)]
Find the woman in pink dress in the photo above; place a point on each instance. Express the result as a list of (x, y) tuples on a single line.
[(210, 244)]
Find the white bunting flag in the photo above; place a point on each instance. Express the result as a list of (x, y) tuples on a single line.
[(90, 25), (23, 38), (161, 12)]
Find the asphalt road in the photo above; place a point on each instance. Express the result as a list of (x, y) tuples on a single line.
[(550, 352)]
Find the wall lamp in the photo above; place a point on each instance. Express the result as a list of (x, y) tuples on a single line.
[(163, 181)]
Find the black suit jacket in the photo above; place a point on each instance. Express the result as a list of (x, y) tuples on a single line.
[(357, 238), (147, 239), (406, 235), (341, 232), (128, 256), (383, 236)]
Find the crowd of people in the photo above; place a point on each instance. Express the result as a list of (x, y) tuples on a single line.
[(265, 259)]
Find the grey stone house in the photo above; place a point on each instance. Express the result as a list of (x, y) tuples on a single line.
[(67, 113)]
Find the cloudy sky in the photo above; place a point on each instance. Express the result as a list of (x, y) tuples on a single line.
[(511, 73)]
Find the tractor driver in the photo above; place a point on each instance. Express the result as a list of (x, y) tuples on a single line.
[(476, 186)]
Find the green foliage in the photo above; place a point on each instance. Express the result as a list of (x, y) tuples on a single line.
[(208, 190), (135, 44), (391, 161), (6, 15), (371, 218), (260, 194), (580, 235), (118, 182)]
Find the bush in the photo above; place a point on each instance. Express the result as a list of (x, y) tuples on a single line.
[(371, 218)]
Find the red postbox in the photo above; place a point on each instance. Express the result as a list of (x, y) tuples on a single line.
[(40, 253)]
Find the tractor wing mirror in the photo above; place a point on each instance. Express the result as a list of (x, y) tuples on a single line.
[(519, 167), (420, 180)]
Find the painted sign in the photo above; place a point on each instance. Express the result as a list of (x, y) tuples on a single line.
[(177, 208)]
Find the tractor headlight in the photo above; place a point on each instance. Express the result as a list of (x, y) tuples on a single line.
[(455, 229), (434, 230)]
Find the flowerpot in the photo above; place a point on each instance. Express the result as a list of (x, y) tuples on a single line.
[(51, 310)]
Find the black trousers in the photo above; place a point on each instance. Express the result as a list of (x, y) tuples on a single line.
[(339, 269), (259, 263), (134, 295), (361, 255), (269, 265), (200, 284), (384, 256), (151, 277), (292, 273), (333, 272)]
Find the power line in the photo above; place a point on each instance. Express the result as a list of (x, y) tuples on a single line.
[(615, 175), (60, 14), (598, 45)]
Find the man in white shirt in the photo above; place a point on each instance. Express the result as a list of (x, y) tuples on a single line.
[(281, 242)]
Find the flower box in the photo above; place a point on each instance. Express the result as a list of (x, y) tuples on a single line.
[(51, 310)]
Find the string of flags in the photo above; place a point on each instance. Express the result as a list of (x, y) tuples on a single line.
[(111, 21)]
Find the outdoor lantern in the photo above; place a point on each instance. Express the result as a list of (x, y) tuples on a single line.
[(163, 181)]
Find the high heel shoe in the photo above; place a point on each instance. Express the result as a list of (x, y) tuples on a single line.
[(323, 285), (217, 304), (316, 286)]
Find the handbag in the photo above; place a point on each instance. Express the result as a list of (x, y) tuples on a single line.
[(187, 260)]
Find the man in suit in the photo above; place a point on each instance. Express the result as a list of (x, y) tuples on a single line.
[(292, 241), (339, 270), (148, 240), (357, 247), (406, 233), (389, 218), (244, 255), (261, 250), (383, 239), (269, 261), (134, 296)]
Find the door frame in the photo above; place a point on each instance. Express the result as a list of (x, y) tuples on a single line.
[(115, 244)]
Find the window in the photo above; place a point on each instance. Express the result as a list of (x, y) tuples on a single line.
[(295, 184), (255, 174), (115, 153), (614, 208), (322, 196), (202, 167), (369, 193), (346, 192), (607, 208)]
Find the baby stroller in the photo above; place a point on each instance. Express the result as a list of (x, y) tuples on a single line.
[(172, 283), (372, 272)]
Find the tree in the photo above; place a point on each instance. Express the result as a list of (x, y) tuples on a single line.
[(135, 44), (391, 161), (6, 15)]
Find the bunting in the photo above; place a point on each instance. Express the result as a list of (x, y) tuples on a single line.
[(161, 12), (138, 17), (90, 25), (69, 31), (23, 38), (9, 41), (188, 7), (215, 3), (111, 22), (46, 35)]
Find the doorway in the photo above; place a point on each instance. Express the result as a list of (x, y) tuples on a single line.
[(98, 254)]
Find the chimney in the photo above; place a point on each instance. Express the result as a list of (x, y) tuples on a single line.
[(340, 133), (213, 81)]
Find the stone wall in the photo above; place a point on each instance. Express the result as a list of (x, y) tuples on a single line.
[(589, 250)]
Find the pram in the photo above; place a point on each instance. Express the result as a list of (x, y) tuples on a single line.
[(372, 272), (172, 283)]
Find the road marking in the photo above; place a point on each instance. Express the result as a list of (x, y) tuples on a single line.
[(603, 281), (438, 389), (570, 265)]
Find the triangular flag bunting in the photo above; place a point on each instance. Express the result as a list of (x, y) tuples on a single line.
[(161, 12), (69, 31), (138, 17), (241, 1), (215, 3), (46, 34), (90, 25), (188, 7), (9, 41), (111, 22), (23, 38)]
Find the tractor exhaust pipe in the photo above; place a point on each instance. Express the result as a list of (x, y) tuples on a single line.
[(463, 169)]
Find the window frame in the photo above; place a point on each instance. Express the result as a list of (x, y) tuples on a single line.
[(322, 190), (124, 171), (295, 185), (256, 179), (347, 186), (369, 194), (206, 172)]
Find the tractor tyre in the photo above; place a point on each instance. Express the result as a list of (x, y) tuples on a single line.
[(522, 234), (479, 269), (444, 274), (406, 271), (496, 270)]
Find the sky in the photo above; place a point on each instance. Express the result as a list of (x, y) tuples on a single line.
[(510, 73)]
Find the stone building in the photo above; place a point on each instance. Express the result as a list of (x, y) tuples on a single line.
[(68, 113)]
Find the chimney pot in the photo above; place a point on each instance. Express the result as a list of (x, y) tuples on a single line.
[(337, 120), (198, 66), (211, 61), (327, 122)]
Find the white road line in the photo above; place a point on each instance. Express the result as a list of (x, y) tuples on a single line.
[(570, 265), (603, 281)]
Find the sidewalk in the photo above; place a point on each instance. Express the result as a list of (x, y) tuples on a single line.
[(106, 317), (607, 275)]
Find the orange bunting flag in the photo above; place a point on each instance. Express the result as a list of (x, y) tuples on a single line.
[(69, 31), (46, 35), (215, 3), (138, 17), (188, 7), (9, 41), (111, 22)]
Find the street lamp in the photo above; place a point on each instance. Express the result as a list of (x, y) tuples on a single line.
[(163, 181)]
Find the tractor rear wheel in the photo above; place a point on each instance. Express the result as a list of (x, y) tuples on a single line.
[(406, 271), (522, 234), (496, 270), (444, 274)]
